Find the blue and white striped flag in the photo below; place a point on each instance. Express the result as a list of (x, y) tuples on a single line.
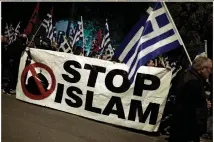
[(153, 35)]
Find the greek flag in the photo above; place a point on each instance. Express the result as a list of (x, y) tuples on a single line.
[(48, 25), (153, 35), (78, 33), (106, 38), (106, 47)]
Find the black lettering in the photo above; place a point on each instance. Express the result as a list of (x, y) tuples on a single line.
[(76, 74), (59, 93), (89, 103), (140, 86), (154, 109), (119, 107), (70, 92), (136, 106), (109, 81), (93, 73)]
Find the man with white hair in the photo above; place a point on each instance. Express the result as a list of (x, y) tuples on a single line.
[(191, 107)]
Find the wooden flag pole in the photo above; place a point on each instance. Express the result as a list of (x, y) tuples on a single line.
[(35, 34), (83, 39), (176, 31)]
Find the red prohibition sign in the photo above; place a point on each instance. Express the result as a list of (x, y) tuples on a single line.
[(44, 94)]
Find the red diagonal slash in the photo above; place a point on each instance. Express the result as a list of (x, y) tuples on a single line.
[(35, 77)]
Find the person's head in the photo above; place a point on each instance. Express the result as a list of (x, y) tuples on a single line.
[(203, 66), (78, 51), (4, 39), (93, 54), (104, 57), (150, 63), (54, 45)]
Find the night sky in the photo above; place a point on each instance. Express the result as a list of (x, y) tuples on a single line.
[(13, 12), (130, 13)]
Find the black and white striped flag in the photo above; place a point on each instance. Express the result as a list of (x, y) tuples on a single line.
[(48, 25), (6, 31), (11, 34), (71, 35), (16, 32), (64, 46), (106, 47)]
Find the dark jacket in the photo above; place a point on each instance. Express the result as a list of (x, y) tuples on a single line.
[(190, 115), (15, 49)]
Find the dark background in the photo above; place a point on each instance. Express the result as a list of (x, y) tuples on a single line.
[(13, 12), (193, 20)]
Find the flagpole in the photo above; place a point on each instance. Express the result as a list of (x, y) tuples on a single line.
[(17, 26), (35, 34), (205, 46), (83, 37), (176, 30)]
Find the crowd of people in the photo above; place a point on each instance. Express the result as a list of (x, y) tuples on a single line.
[(11, 54), (192, 105)]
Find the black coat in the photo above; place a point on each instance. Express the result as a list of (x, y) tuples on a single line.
[(15, 49), (190, 114)]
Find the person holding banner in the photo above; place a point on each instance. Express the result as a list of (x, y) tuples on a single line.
[(15, 51), (191, 106)]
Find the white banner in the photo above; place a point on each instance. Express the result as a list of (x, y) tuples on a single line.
[(94, 88)]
